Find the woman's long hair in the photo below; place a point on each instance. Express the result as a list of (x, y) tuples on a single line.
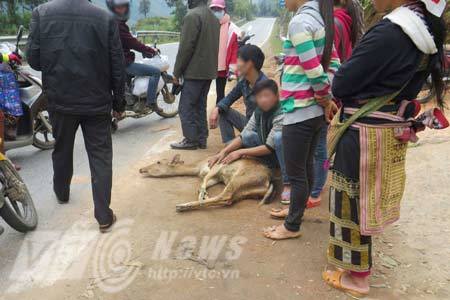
[(326, 11), (437, 65), (356, 13)]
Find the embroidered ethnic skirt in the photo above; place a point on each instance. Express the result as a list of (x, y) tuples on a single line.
[(367, 184)]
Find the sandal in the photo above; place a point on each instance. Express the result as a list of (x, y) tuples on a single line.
[(285, 198), (108, 227), (277, 213), (334, 280), (312, 204)]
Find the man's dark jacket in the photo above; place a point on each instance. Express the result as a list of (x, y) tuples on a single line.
[(129, 42), (77, 47), (198, 52)]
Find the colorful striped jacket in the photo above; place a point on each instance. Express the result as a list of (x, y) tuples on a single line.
[(303, 75)]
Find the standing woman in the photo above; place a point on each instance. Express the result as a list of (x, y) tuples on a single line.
[(306, 101), (384, 74), (348, 28), (228, 47)]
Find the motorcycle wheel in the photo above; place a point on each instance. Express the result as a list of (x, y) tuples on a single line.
[(427, 93), (43, 138), (18, 209), (167, 102)]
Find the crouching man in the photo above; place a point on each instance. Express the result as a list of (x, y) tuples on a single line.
[(261, 136), (249, 64)]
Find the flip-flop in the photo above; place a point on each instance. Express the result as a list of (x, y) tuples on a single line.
[(285, 198), (108, 227), (274, 228), (276, 214), (312, 204), (334, 280)]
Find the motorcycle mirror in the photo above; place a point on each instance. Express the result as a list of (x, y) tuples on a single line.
[(19, 37)]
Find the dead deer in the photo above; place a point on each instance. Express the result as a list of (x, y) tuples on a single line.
[(244, 179)]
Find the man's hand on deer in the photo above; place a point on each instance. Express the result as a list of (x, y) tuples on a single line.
[(214, 118), (213, 160), (233, 156)]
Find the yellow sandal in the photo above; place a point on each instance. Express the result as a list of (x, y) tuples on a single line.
[(333, 279)]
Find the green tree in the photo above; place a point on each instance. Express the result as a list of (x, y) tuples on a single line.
[(243, 9), (230, 6), (180, 10), (144, 7)]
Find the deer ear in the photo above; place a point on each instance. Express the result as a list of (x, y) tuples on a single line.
[(175, 159)]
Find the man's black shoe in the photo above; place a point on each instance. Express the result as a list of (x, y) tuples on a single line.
[(203, 146), (184, 145), (61, 199)]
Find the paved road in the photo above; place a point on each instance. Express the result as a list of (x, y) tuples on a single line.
[(133, 140)]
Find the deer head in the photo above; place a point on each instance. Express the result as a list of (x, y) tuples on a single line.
[(166, 168)]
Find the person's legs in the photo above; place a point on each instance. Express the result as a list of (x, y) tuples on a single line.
[(202, 125), (221, 82), (278, 138), (250, 140), (347, 249), (299, 142), (154, 75), (230, 120), (97, 139), (320, 168), (190, 95), (64, 130)]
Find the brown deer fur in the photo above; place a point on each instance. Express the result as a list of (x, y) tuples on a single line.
[(244, 179)]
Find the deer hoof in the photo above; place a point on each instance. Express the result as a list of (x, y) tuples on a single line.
[(182, 207)]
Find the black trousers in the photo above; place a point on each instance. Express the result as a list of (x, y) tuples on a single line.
[(97, 139), (221, 82), (299, 142), (192, 110)]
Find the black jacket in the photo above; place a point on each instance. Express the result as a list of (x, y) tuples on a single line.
[(382, 62), (77, 47)]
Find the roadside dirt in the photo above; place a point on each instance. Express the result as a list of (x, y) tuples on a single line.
[(411, 258)]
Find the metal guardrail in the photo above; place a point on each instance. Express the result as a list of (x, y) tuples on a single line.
[(139, 34), (143, 33), (12, 39), (152, 36)]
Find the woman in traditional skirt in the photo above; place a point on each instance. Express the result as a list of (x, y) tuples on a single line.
[(392, 60)]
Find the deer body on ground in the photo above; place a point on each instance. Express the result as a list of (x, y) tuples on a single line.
[(243, 179)]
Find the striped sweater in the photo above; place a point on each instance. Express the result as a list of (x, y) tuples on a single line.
[(303, 75)]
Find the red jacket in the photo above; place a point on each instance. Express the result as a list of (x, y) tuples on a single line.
[(129, 42)]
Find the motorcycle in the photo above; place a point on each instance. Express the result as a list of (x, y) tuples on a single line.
[(246, 35), (16, 205), (33, 127), (427, 93), (136, 93)]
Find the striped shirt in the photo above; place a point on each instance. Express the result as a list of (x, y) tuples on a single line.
[(303, 75)]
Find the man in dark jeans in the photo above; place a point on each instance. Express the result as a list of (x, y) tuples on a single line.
[(250, 62), (77, 47), (196, 63)]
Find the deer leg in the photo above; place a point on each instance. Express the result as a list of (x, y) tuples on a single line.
[(224, 198), (209, 180), (212, 182)]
